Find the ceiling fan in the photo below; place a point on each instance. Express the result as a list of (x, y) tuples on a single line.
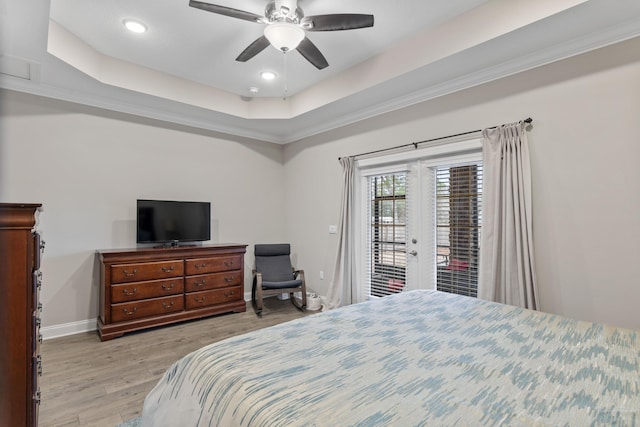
[(286, 26)]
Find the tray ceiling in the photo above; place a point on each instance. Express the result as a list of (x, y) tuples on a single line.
[(183, 69)]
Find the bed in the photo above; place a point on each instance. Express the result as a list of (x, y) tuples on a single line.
[(419, 358)]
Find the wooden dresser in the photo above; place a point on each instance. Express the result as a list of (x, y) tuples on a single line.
[(20, 281), (146, 287)]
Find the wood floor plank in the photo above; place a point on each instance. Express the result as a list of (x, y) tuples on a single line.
[(86, 382)]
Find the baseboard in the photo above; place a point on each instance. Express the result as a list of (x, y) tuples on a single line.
[(57, 331)]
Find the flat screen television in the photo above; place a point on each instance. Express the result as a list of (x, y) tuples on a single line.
[(171, 222)]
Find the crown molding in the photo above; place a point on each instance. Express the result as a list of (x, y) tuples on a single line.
[(511, 67), (338, 114)]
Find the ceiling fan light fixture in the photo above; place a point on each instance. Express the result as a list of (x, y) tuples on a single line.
[(284, 36)]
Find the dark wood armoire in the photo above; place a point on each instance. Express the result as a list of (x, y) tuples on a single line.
[(20, 281)]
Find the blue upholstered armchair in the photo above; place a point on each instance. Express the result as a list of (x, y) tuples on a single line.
[(274, 275)]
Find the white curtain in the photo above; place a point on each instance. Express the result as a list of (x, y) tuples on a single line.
[(342, 288), (507, 269)]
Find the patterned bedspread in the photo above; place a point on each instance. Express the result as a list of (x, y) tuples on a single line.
[(420, 358)]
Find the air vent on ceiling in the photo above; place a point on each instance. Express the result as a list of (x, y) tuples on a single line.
[(15, 67)]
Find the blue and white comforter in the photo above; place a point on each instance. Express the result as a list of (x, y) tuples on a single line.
[(420, 358)]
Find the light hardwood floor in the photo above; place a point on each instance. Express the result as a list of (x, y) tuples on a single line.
[(86, 382)]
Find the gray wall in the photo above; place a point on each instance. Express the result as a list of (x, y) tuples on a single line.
[(585, 148), (88, 166)]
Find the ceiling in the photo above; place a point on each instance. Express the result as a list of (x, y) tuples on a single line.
[(183, 69)]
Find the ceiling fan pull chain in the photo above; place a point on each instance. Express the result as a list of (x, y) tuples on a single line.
[(284, 73)]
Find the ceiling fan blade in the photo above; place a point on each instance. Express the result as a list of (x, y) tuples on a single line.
[(312, 54), (253, 49), (337, 22), (226, 11)]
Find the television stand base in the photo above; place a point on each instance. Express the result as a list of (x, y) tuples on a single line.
[(146, 287)]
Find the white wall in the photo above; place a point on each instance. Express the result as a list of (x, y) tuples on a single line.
[(88, 166), (585, 148)]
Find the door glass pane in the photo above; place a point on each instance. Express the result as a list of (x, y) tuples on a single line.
[(458, 224), (387, 234)]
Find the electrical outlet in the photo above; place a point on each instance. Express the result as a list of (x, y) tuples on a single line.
[(333, 229), (321, 275)]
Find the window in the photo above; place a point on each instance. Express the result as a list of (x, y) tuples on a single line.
[(387, 234), (458, 220)]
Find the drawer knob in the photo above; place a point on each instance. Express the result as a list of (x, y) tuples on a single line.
[(228, 263), (167, 269), (130, 312), (127, 292), (199, 300), (166, 288), (229, 294), (36, 397), (199, 266), (42, 245), (229, 279), (40, 338), (202, 283), (165, 305), (133, 273)]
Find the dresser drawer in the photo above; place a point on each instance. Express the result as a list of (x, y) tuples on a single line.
[(146, 308), (36, 367), (195, 300), (36, 324), (122, 273), (150, 289), (213, 264), (212, 281)]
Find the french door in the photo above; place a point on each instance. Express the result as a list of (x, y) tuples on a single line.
[(420, 223)]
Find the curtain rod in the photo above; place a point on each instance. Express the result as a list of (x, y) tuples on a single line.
[(415, 144)]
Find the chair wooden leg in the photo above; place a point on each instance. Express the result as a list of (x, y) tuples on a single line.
[(303, 300), (253, 292), (303, 289), (258, 305), (304, 292), (293, 301)]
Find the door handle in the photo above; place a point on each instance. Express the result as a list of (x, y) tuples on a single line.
[(414, 253)]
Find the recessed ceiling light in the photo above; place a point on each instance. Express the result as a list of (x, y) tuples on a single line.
[(268, 75), (134, 26)]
